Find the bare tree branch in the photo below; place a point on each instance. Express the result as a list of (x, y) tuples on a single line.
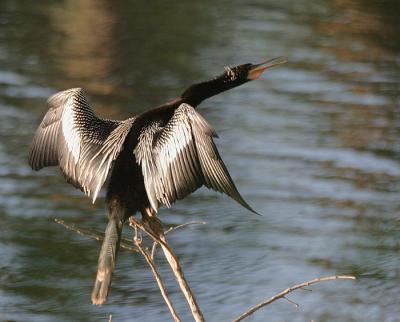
[(156, 232), (173, 228), (180, 277), (184, 225), (157, 276), (125, 243), (80, 231), (289, 290)]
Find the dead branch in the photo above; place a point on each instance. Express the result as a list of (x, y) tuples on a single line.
[(157, 276), (180, 277), (79, 231), (155, 231), (125, 243), (173, 228), (289, 290)]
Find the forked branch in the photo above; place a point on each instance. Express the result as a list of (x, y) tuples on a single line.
[(157, 276), (125, 243), (155, 231)]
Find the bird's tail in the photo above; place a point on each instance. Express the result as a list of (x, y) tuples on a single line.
[(106, 262)]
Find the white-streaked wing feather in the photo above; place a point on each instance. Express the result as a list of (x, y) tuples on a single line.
[(69, 131), (180, 157), (73, 137)]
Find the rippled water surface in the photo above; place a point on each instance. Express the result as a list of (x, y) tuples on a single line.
[(313, 146)]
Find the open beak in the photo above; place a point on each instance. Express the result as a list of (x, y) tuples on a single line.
[(256, 70)]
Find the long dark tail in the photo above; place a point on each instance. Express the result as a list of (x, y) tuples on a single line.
[(106, 262)]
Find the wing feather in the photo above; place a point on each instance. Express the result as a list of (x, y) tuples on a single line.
[(179, 157), (74, 138)]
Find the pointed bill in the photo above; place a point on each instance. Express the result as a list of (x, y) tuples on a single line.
[(256, 70)]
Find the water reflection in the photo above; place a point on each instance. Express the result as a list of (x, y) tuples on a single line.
[(316, 151), (368, 35), (83, 48), (101, 46)]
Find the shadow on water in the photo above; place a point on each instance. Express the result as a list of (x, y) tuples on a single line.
[(313, 146)]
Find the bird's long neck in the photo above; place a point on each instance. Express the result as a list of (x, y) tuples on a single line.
[(232, 77), (197, 93)]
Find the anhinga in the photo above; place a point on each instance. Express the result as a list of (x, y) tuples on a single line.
[(151, 159)]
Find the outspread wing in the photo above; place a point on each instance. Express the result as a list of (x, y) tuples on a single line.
[(73, 137), (178, 158)]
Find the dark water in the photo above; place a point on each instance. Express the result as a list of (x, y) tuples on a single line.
[(313, 145)]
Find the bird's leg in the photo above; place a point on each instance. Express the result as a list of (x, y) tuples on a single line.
[(150, 219), (138, 236)]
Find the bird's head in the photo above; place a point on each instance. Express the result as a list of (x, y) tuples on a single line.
[(248, 72), (232, 77)]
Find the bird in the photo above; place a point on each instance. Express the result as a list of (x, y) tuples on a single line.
[(146, 161)]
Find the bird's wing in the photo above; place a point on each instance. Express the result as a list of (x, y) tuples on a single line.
[(178, 158), (73, 137)]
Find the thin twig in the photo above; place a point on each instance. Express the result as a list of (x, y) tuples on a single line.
[(173, 228), (306, 289), (289, 290), (134, 222), (125, 243), (158, 237), (291, 302), (157, 276), (80, 231)]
